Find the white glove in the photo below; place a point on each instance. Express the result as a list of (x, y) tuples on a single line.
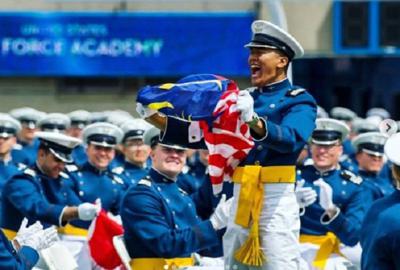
[(47, 238), (245, 104), (219, 219), (208, 261), (325, 195), (305, 195), (143, 111), (88, 211), (25, 232)]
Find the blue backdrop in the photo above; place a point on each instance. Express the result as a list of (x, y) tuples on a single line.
[(123, 44)]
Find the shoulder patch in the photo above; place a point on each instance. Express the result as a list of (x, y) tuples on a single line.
[(295, 92), (71, 168), (182, 191), (64, 175), (118, 170), (30, 172), (145, 182), (17, 146), (117, 179), (350, 176)]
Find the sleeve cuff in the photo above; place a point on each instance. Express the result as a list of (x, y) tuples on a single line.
[(60, 222), (302, 211), (326, 220), (258, 138)]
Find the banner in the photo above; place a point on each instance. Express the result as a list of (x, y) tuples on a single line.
[(123, 44)]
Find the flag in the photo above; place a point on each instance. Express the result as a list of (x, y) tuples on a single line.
[(100, 241), (210, 100)]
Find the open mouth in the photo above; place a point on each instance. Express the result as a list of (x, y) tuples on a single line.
[(255, 71)]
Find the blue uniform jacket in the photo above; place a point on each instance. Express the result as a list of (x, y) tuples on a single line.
[(26, 153), (10, 259), (160, 220), (379, 186), (380, 234), (289, 113), (89, 183), (79, 155), (130, 173), (32, 194), (348, 194)]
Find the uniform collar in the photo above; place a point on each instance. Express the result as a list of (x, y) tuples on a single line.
[(367, 174), (326, 173), (157, 176), (130, 165), (92, 168), (276, 86)]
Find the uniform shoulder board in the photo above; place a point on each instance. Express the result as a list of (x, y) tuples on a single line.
[(17, 146), (251, 89), (30, 172), (64, 175), (21, 166), (183, 192), (295, 92), (118, 180), (118, 170), (145, 182), (71, 168), (350, 176)]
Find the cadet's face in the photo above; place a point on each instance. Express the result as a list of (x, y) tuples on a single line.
[(100, 156), (369, 163), (6, 145), (168, 161), (266, 66), (326, 157), (136, 151), (27, 133), (50, 164), (75, 132)]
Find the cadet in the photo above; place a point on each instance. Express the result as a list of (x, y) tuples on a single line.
[(347, 116), (162, 228), (135, 151), (42, 192), (281, 117), (380, 237), (94, 178), (54, 122), (79, 120), (25, 150), (370, 161), (337, 215)]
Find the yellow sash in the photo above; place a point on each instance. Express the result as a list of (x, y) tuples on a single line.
[(160, 263), (72, 230), (328, 244), (10, 234)]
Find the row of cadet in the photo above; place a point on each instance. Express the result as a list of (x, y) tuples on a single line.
[(42, 188)]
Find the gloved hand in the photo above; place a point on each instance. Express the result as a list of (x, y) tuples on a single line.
[(305, 196), (219, 219), (325, 195), (208, 261), (88, 211), (143, 111), (245, 104), (25, 231), (47, 238)]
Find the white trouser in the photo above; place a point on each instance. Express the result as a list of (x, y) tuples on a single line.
[(334, 262), (353, 254), (279, 230)]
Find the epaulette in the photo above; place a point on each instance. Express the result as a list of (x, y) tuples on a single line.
[(145, 181), (17, 146), (117, 179), (295, 92), (30, 172), (350, 176), (251, 89), (182, 191), (71, 168), (64, 175), (21, 166), (118, 170)]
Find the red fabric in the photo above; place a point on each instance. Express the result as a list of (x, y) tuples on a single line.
[(228, 140), (100, 243)]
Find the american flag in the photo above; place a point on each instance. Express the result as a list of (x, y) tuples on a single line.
[(227, 137)]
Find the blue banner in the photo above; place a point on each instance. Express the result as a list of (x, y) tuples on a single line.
[(123, 44)]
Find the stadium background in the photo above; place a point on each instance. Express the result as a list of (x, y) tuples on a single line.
[(351, 52)]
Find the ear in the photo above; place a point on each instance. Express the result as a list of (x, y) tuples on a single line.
[(283, 62)]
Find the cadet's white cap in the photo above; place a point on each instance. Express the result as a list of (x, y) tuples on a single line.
[(269, 35)]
